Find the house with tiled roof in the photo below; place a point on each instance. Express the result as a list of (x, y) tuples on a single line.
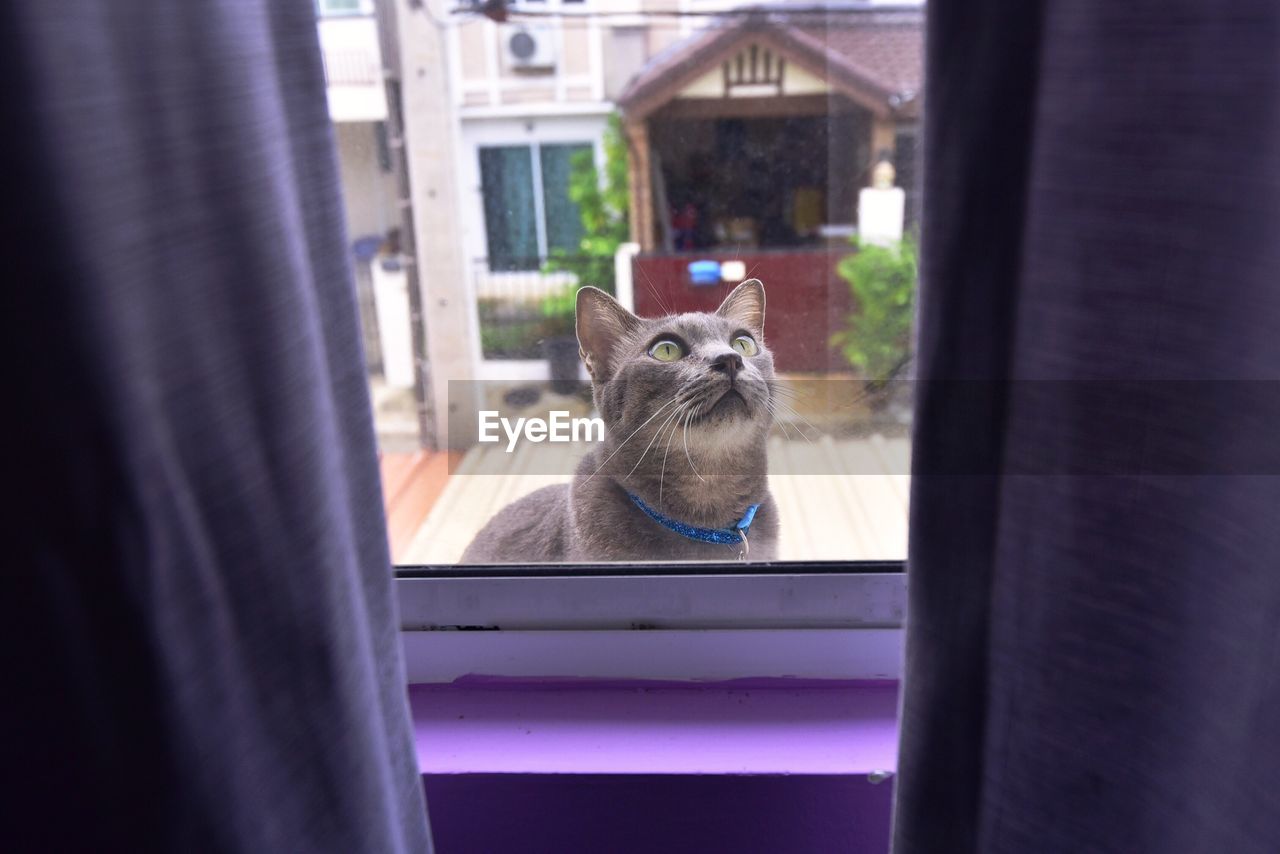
[(750, 144), (750, 129), (773, 88)]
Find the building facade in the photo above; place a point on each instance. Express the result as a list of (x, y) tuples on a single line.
[(498, 101)]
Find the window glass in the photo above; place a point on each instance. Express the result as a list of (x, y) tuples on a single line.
[(341, 7), (562, 217), (664, 160), (510, 217)]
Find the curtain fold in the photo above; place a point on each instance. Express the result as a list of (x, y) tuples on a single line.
[(200, 594), (1093, 658)]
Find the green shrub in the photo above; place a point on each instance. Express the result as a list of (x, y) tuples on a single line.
[(604, 208), (877, 340), (511, 331), (604, 205), (559, 309)]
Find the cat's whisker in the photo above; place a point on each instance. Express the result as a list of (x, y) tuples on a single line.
[(777, 389), (774, 414), (803, 434), (656, 434), (788, 394), (662, 475), (780, 408), (692, 468), (790, 410), (653, 291), (807, 423), (629, 438)]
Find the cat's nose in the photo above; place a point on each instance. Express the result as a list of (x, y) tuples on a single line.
[(727, 363)]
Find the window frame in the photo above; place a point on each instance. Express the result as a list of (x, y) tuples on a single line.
[(824, 621), (445, 639)]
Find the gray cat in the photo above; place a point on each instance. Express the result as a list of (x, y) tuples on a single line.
[(687, 401)]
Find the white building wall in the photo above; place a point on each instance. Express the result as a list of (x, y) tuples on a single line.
[(368, 191), (353, 68)]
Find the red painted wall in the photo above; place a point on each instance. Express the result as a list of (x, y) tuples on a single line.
[(806, 300)]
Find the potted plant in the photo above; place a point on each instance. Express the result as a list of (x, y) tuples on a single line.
[(559, 341), (877, 339)]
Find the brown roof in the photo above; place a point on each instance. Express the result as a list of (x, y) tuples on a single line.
[(874, 57), (889, 47)]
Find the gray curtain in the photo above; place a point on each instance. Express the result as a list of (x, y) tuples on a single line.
[(1093, 651), (198, 608)]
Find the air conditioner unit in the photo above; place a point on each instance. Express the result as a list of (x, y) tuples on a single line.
[(529, 46)]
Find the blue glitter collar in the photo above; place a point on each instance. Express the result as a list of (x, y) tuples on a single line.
[(731, 536)]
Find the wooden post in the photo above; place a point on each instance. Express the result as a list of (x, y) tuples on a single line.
[(641, 183)]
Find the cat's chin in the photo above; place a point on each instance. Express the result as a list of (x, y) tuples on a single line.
[(728, 425), (722, 438), (730, 405), (730, 410)]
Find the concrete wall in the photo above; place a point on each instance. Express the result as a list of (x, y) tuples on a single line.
[(368, 191), (485, 79), (430, 148), (625, 54)]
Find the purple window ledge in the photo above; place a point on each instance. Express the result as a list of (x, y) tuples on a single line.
[(480, 725)]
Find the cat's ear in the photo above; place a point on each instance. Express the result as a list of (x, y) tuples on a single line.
[(602, 324), (745, 304)]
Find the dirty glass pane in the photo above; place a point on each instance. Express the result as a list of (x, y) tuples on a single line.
[(563, 219), (665, 160), (340, 7), (506, 175)]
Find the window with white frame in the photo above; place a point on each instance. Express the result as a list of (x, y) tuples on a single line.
[(528, 212)]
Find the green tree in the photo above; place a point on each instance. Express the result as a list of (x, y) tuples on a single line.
[(604, 205), (882, 279)]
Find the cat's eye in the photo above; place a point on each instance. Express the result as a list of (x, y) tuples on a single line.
[(666, 350), (746, 345)]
